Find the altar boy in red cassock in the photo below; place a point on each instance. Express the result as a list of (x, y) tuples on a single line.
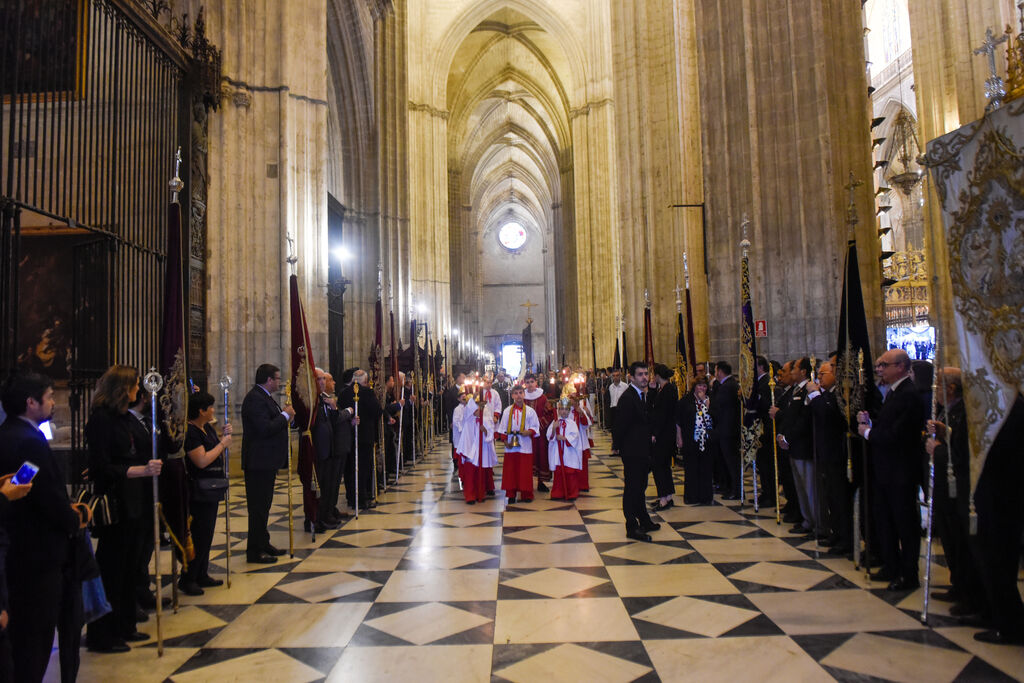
[(565, 453), (584, 418), (536, 399), (519, 428), (477, 435), (457, 428)]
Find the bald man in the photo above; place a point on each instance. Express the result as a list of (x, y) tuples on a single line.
[(894, 434)]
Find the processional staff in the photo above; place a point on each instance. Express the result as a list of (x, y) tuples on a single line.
[(937, 369), (291, 512), (775, 442), (153, 382), (355, 415), (225, 385)]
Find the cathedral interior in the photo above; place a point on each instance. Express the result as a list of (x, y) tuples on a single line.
[(498, 174)]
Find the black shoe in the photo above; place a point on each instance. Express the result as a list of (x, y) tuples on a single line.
[(903, 585), (190, 588), (947, 596), (470, 502), (276, 552), (883, 575), (209, 582), (136, 637), (658, 507), (800, 530), (731, 496), (262, 558), (114, 647), (542, 487), (828, 541), (638, 535), (512, 500), (999, 637), (653, 526)]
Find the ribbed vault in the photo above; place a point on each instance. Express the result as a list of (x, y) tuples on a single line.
[(508, 141)]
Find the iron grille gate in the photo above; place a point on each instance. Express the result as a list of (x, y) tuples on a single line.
[(95, 104)]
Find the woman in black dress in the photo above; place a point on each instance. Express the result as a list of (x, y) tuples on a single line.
[(205, 465), (695, 434), (120, 468)]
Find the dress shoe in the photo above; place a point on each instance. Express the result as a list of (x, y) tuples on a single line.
[(542, 487), (828, 541), (136, 637), (190, 588), (113, 647), (276, 552), (947, 596), (262, 558), (883, 575), (800, 529), (731, 496), (209, 582), (511, 500), (653, 526), (903, 585), (638, 535), (658, 507), (999, 637), (763, 502)]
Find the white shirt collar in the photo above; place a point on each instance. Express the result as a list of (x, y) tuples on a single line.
[(892, 387)]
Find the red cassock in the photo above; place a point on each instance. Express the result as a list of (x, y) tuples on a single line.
[(583, 422), (517, 470), (545, 414), (477, 454), (565, 458)]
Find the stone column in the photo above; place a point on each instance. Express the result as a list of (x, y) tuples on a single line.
[(785, 117), (266, 181)]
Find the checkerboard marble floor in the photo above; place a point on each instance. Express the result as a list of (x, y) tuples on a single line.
[(427, 588)]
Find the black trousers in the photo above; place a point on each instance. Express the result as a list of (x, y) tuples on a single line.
[(1000, 509), (634, 504), (204, 520), (259, 494), (41, 601), (729, 454), (788, 484), (365, 475), (951, 525), (766, 470), (328, 473), (662, 468), (118, 554), (838, 500), (611, 417), (697, 487), (898, 522)]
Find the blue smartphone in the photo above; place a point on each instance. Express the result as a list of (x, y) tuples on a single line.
[(25, 474)]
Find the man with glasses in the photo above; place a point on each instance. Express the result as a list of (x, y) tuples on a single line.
[(894, 434)]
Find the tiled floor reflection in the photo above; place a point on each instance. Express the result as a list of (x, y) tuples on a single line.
[(426, 588)]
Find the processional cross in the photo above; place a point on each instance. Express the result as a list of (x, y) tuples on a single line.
[(851, 211), (995, 91), (528, 305)]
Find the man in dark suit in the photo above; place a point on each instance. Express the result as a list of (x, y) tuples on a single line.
[(328, 459), (830, 430), (894, 434), (264, 451), (632, 439), (368, 425), (725, 414), (42, 579), (795, 437)]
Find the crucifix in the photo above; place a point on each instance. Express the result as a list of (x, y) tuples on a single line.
[(995, 91), (528, 305)]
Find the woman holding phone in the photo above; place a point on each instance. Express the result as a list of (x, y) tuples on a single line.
[(118, 467), (205, 465)]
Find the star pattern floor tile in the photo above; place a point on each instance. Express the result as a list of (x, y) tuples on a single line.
[(544, 590)]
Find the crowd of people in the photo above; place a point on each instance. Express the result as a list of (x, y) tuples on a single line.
[(813, 457)]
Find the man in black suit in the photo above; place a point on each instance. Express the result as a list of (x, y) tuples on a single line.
[(42, 580), (368, 425), (795, 437), (725, 414), (264, 451), (894, 434), (632, 439), (327, 420), (830, 431)]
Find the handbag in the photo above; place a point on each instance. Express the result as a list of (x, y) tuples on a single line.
[(209, 490), (103, 508)]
